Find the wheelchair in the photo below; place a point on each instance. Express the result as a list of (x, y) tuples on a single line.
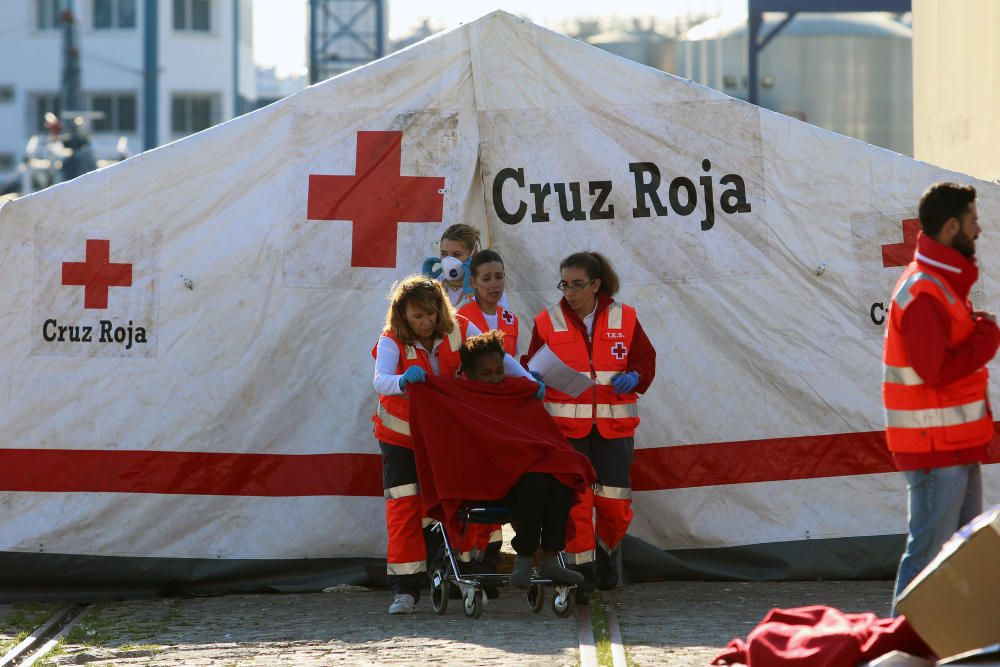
[(471, 586)]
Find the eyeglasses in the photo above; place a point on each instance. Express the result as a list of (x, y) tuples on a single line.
[(566, 287)]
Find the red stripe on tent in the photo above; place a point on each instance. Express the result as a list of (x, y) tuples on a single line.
[(194, 473), (773, 460), (230, 474)]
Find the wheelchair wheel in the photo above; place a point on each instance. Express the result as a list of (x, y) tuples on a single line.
[(536, 597), (440, 587), (473, 606), (563, 604)]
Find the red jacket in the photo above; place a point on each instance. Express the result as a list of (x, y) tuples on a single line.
[(641, 356), (926, 334)]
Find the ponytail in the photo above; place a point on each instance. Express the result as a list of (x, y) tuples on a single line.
[(597, 267)]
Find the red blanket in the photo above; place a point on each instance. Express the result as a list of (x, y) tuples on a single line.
[(473, 440), (821, 636)]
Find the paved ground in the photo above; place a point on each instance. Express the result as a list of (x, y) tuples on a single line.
[(670, 623)]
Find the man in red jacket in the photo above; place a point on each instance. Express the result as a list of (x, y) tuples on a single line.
[(934, 388)]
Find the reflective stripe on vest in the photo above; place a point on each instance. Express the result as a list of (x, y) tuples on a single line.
[(936, 417), (902, 297), (604, 410), (393, 423), (557, 318), (401, 491), (900, 375), (413, 567), (615, 315)]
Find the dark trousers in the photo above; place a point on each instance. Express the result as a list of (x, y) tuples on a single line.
[(541, 511)]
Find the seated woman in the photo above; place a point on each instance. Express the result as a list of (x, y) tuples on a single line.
[(539, 501)]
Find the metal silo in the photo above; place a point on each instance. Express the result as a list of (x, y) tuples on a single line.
[(644, 46), (850, 73)]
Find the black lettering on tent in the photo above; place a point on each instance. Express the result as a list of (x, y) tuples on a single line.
[(602, 189), (504, 175), (738, 193), (576, 212), (709, 198), (691, 197), (540, 191), (646, 190)]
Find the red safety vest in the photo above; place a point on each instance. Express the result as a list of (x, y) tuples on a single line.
[(616, 415), (392, 417), (921, 419), (506, 322)]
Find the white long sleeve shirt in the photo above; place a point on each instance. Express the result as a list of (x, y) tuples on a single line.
[(386, 380)]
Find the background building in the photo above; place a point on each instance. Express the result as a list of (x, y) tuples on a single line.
[(204, 75), (956, 85)]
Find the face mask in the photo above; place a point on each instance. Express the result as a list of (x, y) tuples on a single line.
[(452, 268)]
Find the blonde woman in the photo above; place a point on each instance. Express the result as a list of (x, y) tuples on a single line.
[(422, 335)]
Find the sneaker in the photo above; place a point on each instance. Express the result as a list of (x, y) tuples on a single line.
[(403, 603), (551, 569)]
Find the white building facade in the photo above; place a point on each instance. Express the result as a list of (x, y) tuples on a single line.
[(203, 73)]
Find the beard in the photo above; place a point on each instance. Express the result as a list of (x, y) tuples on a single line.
[(964, 243)]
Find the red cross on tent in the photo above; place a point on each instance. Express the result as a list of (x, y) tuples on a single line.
[(619, 350), (376, 198), (900, 254), (97, 274), (507, 316)]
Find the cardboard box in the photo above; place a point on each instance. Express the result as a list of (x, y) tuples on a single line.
[(954, 604)]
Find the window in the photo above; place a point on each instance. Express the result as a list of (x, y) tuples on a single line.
[(48, 14), (193, 15), (6, 94), (119, 111), (192, 113), (42, 103), (114, 14)]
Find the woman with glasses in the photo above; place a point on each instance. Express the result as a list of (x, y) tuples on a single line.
[(601, 338)]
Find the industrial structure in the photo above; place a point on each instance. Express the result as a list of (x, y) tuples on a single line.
[(141, 65), (344, 34), (850, 73)]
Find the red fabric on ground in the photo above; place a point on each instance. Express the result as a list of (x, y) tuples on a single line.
[(473, 440), (821, 636)]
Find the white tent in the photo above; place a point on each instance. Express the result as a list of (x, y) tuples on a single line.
[(186, 336)]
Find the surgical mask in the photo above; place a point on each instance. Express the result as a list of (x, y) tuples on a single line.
[(452, 268)]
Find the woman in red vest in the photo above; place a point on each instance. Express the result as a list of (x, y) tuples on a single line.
[(488, 279), (601, 338), (422, 334)]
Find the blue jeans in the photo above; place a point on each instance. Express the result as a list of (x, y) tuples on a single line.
[(940, 501)]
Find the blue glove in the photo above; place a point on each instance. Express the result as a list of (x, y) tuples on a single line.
[(537, 375), (624, 383), (413, 375), (540, 393), (466, 284), (431, 267)]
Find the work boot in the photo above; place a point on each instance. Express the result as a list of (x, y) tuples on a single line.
[(403, 603), (606, 578), (549, 568), (520, 576)]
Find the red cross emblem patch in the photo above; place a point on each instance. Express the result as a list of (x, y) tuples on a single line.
[(507, 316), (376, 198), (619, 350), (97, 274)]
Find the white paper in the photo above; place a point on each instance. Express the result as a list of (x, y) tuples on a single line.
[(558, 375)]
